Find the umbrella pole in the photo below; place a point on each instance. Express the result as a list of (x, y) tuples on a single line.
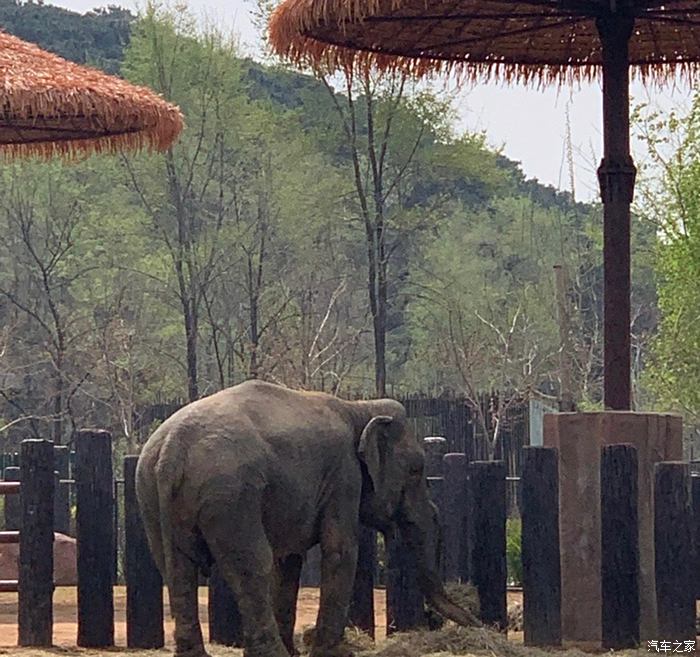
[(616, 176)]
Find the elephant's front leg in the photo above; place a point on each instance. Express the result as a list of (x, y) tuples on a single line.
[(338, 564)]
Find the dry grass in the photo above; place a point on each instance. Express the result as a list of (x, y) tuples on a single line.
[(448, 642), (451, 640), (445, 642), (214, 651)]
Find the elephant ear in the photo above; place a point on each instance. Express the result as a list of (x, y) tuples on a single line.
[(369, 447)]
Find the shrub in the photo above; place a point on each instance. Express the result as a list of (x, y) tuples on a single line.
[(513, 559)]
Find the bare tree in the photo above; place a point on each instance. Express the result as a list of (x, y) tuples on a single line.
[(42, 222), (503, 350), (369, 112), (197, 172)]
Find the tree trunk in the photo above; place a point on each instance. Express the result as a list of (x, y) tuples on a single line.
[(191, 338), (57, 427), (253, 333), (254, 338), (380, 320)]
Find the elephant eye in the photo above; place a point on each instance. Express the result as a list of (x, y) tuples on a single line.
[(416, 471)]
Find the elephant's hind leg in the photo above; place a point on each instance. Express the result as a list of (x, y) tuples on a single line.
[(246, 563), (184, 607), (287, 590)]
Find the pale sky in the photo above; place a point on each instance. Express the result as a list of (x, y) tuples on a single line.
[(529, 124)]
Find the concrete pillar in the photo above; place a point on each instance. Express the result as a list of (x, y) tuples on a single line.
[(579, 438)]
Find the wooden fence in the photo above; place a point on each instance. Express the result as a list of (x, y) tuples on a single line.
[(472, 499)]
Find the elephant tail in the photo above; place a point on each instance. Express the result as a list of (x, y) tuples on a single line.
[(170, 471)]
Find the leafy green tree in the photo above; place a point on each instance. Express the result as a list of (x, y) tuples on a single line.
[(187, 193), (340, 239), (670, 202)]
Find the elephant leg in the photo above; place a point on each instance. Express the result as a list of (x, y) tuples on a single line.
[(184, 607), (338, 565), (288, 573), (245, 561)]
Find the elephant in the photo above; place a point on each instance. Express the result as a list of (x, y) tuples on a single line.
[(253, 476)]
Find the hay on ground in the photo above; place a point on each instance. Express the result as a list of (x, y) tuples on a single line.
[(450, 640)]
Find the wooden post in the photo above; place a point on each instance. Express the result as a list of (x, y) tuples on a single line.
[(362, 604), (13, 510), (404, 601), (144, 584), (540, 547), (616, 176), (62, 492), (455, 519), (487, 484), (675, 591), (405, 609), (695, 482), (35, 604), (619, 547), (224, 619), (436, 490), (435, 448), (95, 536)]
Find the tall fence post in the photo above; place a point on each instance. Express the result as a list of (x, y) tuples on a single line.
[(540, 547), (435, 448), (436, 490), (95, 536), (487, 484), (224, 618), (362, 603), (695, 493), (404, 601), (13, 509), (619, 547), (144, 584), (35, 613), (61, 512), (455, 527), (675, 593)]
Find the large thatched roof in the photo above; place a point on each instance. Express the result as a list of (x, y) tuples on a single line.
[(52, 106), (525, 39)]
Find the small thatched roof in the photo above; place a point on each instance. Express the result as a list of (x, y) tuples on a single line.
[(53, 106), (543, 40)]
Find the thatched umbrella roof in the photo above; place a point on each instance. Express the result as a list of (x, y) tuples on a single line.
[(531, 39), (51, 106), (542, 40)]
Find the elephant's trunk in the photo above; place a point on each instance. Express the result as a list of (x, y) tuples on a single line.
[(424, 538), (439, 600)]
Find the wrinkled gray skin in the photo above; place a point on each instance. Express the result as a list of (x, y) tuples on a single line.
[(255, 475)]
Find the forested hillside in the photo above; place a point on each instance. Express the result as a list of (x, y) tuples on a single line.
[(97, 38), (329, 234)]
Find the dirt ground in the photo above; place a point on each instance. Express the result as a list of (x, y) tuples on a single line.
[(65, 628), (65, 615)]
